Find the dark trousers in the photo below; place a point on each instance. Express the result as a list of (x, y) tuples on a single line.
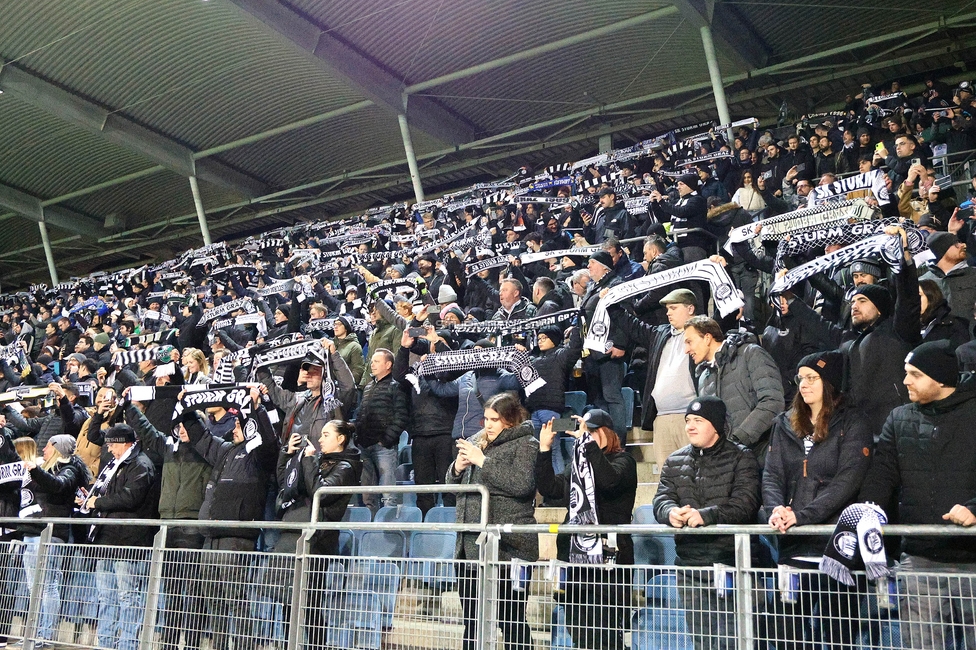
[(313, 616), (597, 606), (710, 618), (183, 589), (604, 385), (225, 577), (510, 606), (432, 456), (787, 625)]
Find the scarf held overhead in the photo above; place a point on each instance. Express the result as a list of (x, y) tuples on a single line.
[(510, 358)]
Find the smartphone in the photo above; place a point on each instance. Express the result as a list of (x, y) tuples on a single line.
[(565, 424), (879, 146), (916, 161), (801, 167), (416, 332)]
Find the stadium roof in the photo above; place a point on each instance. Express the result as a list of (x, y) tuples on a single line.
[(288, 111)]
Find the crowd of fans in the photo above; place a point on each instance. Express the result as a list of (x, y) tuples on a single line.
[(461, 321)]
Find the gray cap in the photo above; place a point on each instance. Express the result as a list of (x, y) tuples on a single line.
[(680, 297), (64, 443)]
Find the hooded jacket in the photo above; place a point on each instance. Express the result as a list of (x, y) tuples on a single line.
[(746, 378), (958, 286), (55, 491), (509, 474)]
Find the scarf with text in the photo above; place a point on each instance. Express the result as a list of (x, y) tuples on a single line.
[(278, 286), (474, 268), (245, 304), (858, 540), (783, 225), (510, 327), (887, 246), (584, 548), (582, 251), (844, 233), (509, 358), (873, 180)]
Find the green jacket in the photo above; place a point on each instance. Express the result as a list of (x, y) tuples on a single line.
[(351, 352), (386, 335)]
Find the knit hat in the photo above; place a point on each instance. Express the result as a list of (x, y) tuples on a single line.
[(64, 443), (940, 242), (345, 323), (603, 258), (284, 309), (691, 180), (712, 409), (937, 359), (351, 289), (596, 418), (452, 309), (553, 333), (78, 356), (101, 338), (679, 297), (877, 295), (400, 268), (868, 266), (829, 365), (446, 295), (928, 220), (163, 353), (120, 433)]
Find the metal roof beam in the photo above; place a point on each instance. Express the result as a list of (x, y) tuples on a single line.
[(122, 131), (357, 70), (733, 35), (31, 207)]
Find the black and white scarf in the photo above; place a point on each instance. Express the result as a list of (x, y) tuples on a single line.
[(510, 327), (887, 246), (295, 351), (101, 485), (244, 304), (224, 372), (845, 233), (278, 286), (237, 398), (873, 180), (582, 251), (783, 225), (477, 267), (14, 472), (510, 358), (857, 540), (128, 357), (328, 325), (584, 548), (726, 297), (153, 337), (257, 319)]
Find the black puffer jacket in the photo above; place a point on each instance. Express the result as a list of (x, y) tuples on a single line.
[(943, 325), (817, 485), (10, 490), (554, 366), (722, 483), (615, 477), (238, 485), (925, 462), (383, 413), (430, 415), (56, 491), (331, 470), (133, 493)]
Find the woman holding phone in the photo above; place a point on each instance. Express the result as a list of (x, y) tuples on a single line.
[(596, 598), (501, 457)]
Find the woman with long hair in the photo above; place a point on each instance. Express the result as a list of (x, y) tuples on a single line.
[(748, 197), (818, 454), (937, 320), (196, 369), (54, 479), (596, 596), (502, 457)]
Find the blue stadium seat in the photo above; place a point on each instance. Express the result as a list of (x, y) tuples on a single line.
[(575, 402), (404, 440), (405, 455), (357, 514), (437, 546), (405, 514), (382, 543), (628, 394), (441, 515), (404, 474), (661, 624), (381, 578), (349, 539), (559, 637)]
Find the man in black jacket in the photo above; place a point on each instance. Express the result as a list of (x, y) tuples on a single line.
[(710, 481), (383, 415), (126, 488), (689, 211), (925, 466)]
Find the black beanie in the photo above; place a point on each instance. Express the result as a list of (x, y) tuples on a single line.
[(937, 359), (603, 258), (712, 409), (345, 323), (878, 295), (940, 243), (829, 365), (553, 333), (691, 180)]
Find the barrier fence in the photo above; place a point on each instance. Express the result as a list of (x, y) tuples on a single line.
[(397, 585)]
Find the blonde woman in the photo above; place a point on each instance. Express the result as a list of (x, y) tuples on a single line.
[(196, 370), (54, 479)]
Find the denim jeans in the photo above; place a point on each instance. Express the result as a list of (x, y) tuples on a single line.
[(121, 600), (559, 458), (604, 382), (379, 468), (51, 581)]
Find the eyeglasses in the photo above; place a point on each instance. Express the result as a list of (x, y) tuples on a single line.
[(810, 379)]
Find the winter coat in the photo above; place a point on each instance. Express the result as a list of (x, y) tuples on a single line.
[(746, 378), (818, 484), (689, 212), (430, 414), (133, 493), (958, 286), (925, 463), (55, 491), (615, 488), (521, 310), (184, 471), (509, 474), (383, 413), (306, 409), (943, 325), (722, 483), (238, 484), (554, 366), (386, 335), (351, 352), (472, 389), (10, 490)]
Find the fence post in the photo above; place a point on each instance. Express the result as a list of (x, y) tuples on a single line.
[(488, 580), (152, 594), (36, 597), (744, 592), (299, 585)]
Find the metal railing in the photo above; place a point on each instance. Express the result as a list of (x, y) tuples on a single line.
[(423, 597)]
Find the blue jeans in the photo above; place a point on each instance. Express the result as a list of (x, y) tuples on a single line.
[(121, 600), (379, 468), (50, 581), (605, 381), (559, 458)]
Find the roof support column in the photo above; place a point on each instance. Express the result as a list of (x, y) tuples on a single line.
[(48, 251), (201, 215), (716, 76), (418, 189)]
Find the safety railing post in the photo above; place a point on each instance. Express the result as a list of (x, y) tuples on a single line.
[(36, 597), (153, 589), (744, 593), (488, 585), (299, 586)]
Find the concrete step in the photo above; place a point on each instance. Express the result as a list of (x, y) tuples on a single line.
[(647, 472), (639, 435)]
